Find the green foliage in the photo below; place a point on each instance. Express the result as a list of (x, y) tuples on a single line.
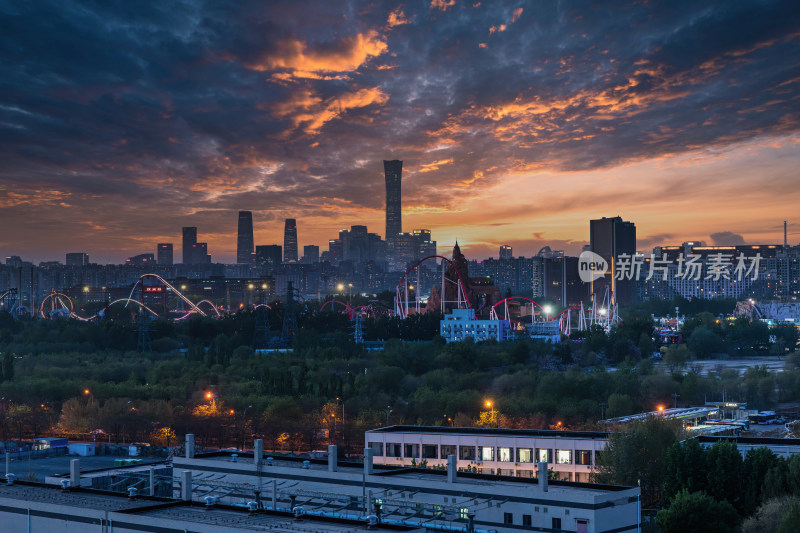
[(636, 457), (697, 512)]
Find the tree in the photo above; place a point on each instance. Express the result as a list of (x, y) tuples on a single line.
[(697, 512), (769, 516), (757, 463), (7, 370), (725, 472), (687, 468), (619, 405), (704, 342), (636, 457), (791, 521)]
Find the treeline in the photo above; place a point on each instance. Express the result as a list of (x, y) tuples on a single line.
[(703, 487)]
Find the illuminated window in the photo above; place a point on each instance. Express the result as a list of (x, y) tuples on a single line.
[(505, 454), (564, 457), (524, 455), (486, 453)]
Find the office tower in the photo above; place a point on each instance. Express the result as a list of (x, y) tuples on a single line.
[(268, 258), (425, 246), (310, 254), (335, 251), (290, 241), (77, 259), (505, 252), (394, 214), (189, 242), (141, 260), (164, 250), (200, 255), (244, 241), (609, 238)]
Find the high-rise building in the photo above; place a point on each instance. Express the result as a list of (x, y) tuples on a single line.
[(310, 254), (609, 238), (77, 259), (164, 250), (141, 260), (244, 241), (290, 241), (394, 214), (268, 258), (506, 252), (200, 255), (189, 243)]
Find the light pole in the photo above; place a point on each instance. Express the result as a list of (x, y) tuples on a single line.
[(490, 406), (387, 414)]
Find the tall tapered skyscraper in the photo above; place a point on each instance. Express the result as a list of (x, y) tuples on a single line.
[(394, 214), (290, 241), (244, 242)]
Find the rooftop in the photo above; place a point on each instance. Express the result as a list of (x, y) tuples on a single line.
[(494, 432)]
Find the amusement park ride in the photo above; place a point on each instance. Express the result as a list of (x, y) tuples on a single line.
[(597, 310), (57, 304)]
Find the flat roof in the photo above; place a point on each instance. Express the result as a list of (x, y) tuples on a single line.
[(50, 494), (220, 463), (763, 441), (675, 414), (494, 432), (162, 509)]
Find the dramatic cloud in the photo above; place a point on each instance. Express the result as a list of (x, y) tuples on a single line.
[(121, 122), (727, 238)]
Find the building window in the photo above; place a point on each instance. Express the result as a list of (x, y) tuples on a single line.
[(508, 518), (411, 451), (544, 455), (505, 454), (446, 449), (466, 453), (430, 451), (486, 453), (583, 457), (526, 520), (564, 457), (377, 448), (463, 513), (556, 523), (392, 449), (524, 455)]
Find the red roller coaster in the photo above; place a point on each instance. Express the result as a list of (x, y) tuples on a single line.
[(401, 294)]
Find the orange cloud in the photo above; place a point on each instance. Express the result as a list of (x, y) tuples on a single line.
[(397, 18), (309, 111), (429, 167), (516, 15), (442, 5), (302, 61)]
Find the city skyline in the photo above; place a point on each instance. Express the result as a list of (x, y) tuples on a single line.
[(515, 123)]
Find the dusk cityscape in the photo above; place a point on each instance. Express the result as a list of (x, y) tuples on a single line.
[(438, 266)]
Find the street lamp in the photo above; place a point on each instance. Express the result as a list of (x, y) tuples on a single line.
[(387, 414), (548, 310), (490, 405)]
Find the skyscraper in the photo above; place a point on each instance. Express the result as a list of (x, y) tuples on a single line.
[(268, 258), (394, 214), (244, 242), (506, 252), (290, 241), (608, 238), (189, 243), (311, 254), (164, 250), (77, 259)]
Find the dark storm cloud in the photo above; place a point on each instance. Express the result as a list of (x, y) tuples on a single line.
[(727, 238), (120, 115)]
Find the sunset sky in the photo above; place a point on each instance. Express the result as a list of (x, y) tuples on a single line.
[(121, 121)]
